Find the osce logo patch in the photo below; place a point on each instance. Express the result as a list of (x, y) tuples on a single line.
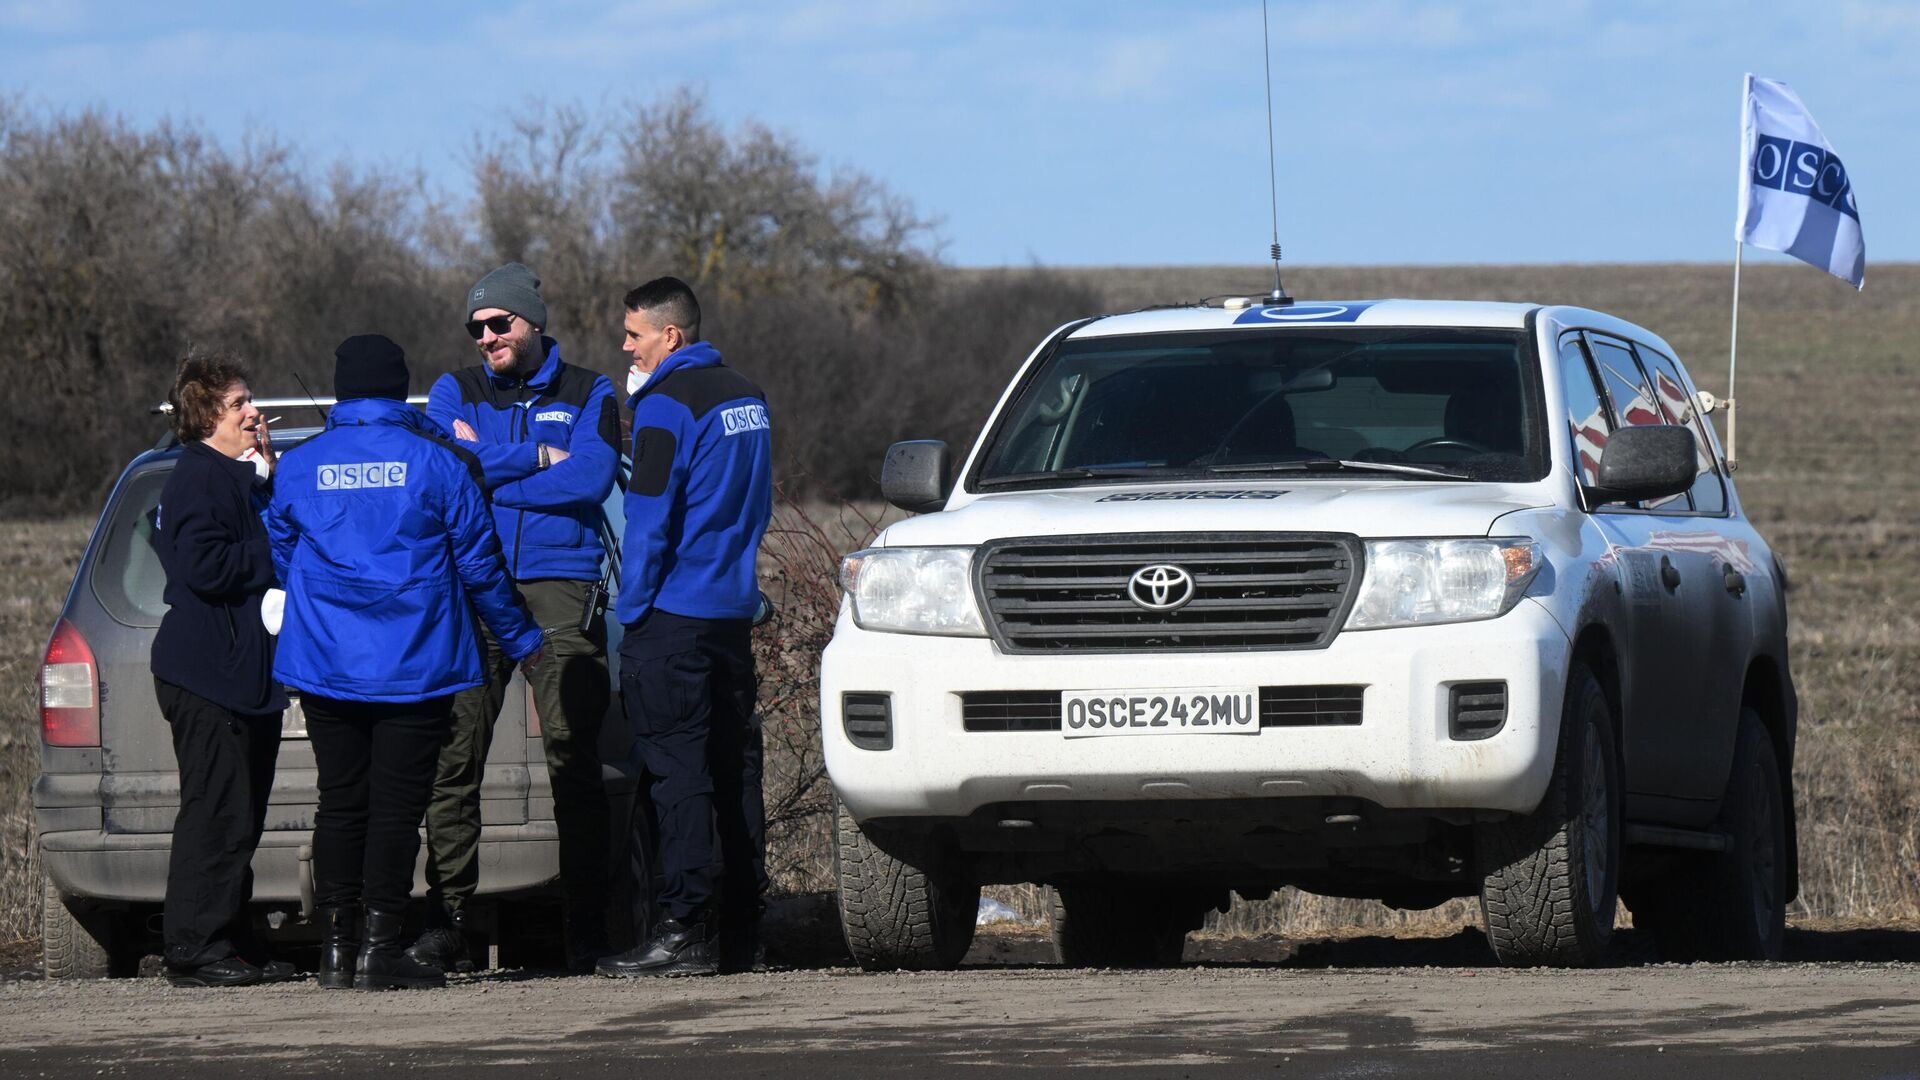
[(558, 415), (743, 418), (362, 474), (1297, 313)]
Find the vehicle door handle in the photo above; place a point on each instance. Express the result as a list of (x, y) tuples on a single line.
[(1669, 574), (1736, 581)]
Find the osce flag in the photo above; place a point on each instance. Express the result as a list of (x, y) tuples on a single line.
[(1794, 192)]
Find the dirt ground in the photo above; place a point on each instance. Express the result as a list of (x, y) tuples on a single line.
[(1846, 1004)]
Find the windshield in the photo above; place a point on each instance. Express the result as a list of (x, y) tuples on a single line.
[(1217, 402)]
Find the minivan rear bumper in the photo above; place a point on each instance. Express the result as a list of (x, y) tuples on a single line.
[(132, 867)]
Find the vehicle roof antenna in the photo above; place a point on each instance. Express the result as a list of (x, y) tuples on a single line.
[(1278, 297), (324, 417)]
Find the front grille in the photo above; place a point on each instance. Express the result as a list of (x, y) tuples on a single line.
[(1280, 706), (1251, 591)]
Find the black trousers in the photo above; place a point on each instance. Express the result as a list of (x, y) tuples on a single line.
[(226, 772), (688, 687), (376, 762)]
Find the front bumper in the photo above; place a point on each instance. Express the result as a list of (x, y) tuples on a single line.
[(1400, 756)]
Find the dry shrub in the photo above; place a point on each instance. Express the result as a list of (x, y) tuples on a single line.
[(800, 571)]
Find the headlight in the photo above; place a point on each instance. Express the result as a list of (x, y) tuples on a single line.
[(1417, 582), (913, 590)]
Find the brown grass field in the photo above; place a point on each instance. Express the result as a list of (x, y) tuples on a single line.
[(1826, 390)]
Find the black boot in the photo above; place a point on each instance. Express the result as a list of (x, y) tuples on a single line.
[(443, 945), (339, 945), (383, 962), (676, 948)]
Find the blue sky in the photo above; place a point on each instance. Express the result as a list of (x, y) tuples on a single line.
[(1077, 132)]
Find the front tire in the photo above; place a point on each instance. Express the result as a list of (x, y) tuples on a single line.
[(901, 905), (1552, 878)]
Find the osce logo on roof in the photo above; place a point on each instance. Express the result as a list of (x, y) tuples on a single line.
[(1299, 313), (362, 474), (1799, 168)]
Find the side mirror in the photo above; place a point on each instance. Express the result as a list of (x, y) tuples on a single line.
[(1650, 462), (914, 475)]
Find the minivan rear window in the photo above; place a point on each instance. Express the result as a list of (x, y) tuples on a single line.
[(126, 574)]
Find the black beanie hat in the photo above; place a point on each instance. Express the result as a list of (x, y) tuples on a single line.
[(510, 288), (369, 366)]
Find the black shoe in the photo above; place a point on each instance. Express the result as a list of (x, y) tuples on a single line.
[(383, 963), (276, 971), (442, 948), (676, 948), (231, 971), (339, 945)]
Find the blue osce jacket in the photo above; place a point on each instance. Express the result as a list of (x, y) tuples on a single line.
[(380, 534), (701, 493), (548, 519)]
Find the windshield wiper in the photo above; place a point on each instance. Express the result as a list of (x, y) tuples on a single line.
[(1337, 465), (1081, 472)]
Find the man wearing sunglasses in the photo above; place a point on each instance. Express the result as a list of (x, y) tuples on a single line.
[(547, 435)]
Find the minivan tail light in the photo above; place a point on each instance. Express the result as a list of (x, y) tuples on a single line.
[(69, 690)]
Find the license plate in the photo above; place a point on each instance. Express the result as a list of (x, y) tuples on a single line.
[(1205, 710), (293, 722)]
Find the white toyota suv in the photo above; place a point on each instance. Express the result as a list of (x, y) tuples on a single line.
[(1409, 600)]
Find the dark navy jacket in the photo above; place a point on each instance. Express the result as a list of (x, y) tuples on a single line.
[(701, 493), (381, 534), (548, 519), (214, 549)]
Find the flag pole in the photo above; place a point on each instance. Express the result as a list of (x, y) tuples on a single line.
[(1733, 355), (1739, 247)]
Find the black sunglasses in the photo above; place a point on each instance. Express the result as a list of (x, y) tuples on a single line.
[(499, 324)]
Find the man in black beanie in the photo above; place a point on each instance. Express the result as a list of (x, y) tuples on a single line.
[(547, 436), (382, 539)]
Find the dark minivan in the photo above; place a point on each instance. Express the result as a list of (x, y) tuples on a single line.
[(109, 785)]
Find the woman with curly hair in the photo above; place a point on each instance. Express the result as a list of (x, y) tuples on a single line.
[(213, 673)]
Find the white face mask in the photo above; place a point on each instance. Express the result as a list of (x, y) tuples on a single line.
[(636, 379)]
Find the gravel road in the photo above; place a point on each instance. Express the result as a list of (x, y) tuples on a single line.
[(1319, 1012)]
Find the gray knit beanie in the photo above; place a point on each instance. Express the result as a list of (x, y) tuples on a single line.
[(510, 288)]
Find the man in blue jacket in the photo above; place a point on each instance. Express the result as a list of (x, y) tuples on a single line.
[(697, 505), (547, 436), (381, 538)]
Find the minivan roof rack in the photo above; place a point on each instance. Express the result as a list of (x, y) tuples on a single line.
[(165, 408)]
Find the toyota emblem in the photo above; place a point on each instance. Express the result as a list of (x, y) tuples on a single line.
[(1161, 587)]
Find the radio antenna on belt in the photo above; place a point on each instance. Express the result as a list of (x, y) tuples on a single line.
[(1278, 297)]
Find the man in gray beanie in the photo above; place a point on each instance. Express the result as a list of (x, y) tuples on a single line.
[(548, 438)]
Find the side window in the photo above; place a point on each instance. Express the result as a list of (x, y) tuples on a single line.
[(126, 574), (1587, 421), (1633, 400), (1709, 495)]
